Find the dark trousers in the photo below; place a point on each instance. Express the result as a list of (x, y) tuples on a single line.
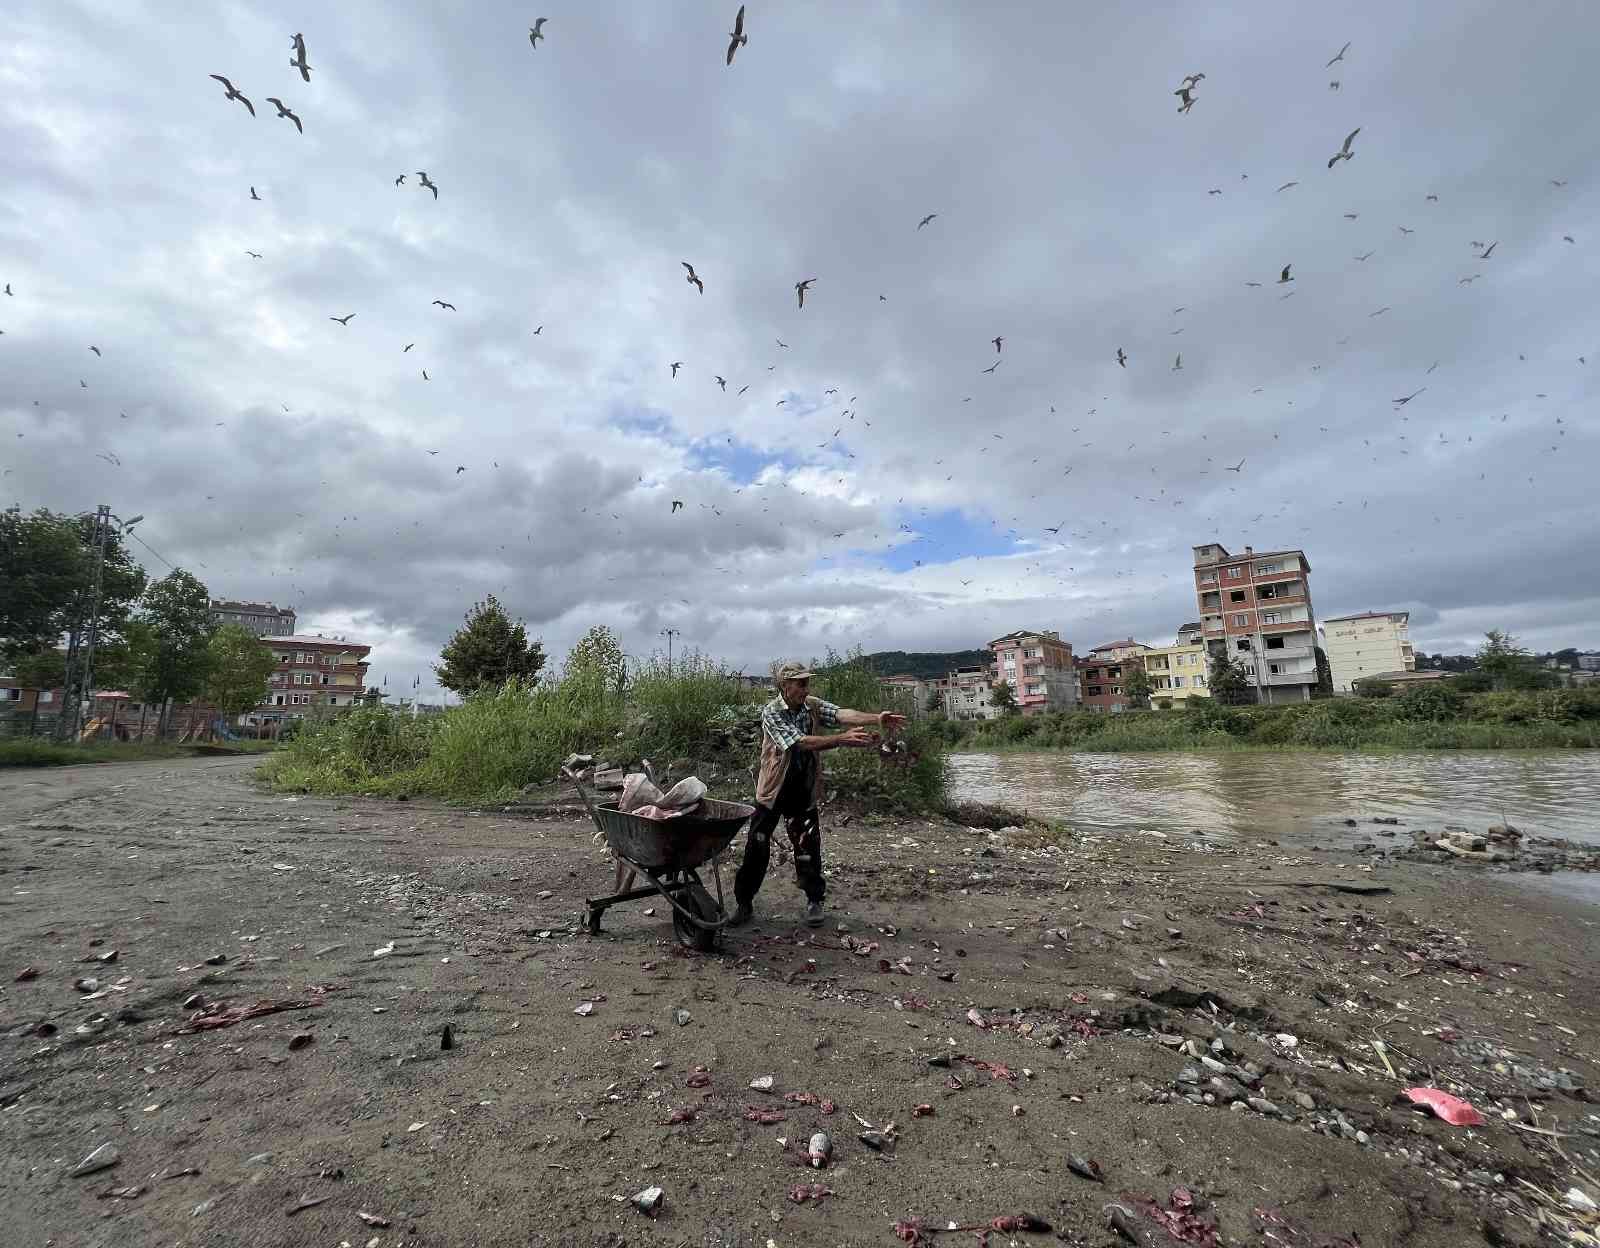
[(805, 834)]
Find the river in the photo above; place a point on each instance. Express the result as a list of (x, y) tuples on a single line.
[(1305, 795)]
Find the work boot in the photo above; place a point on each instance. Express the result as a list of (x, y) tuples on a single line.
[(742, 914), (813, 914)]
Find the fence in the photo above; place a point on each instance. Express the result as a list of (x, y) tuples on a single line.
[(113, 721)]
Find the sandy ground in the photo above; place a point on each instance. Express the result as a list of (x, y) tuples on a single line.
[(1088, 964)]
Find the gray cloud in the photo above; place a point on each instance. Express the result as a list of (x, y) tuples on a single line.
[(1073, 219)]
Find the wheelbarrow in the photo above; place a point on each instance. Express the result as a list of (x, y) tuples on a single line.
[(669, 853)]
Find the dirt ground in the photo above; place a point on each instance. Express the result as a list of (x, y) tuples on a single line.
[(1066, 991)]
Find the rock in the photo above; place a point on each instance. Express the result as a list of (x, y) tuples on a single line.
[(103, 1158), (1390, 820), (260, 1159), (1305, 1100), (1263, 1106), (204, 1207), (819, 1150), (87, 984), (941, 1060), (648, 1201), (193, 1001), (447, 1038), (1189, 1074), (299, 1040), (761, 1083), (27, 973), (1227, 1089), (216, 959), (682, 1016), (877, 1141)]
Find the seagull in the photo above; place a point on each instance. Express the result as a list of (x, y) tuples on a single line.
[(997, 340), (676, 365), (254, 255), (536, 31), (400, 180), (425, 375), (343, 320), (284, 112), (254, 196), (994, 366), (926, 219), (800, 289), (1351, 216), (1334, 85), (1284, 276), (1489, 250), (1286, 186), (1177, 365), (407, 347), (1558, 181), (1235, 468), (1433, 199), (538, 331), (427, 184), (781, 343), (96, 350), (1467, 281), (742, 389), (1403, 230), (1187, 95), (677, 504), (736, 37), (1344, 153), (1407, 398), (442, 304), (1338, 58), (1122, 357), (723, 382), (1216, 190), (1567, 238), (1252, 283), (8, 288), (234, 93), (298, 43), (460, 468), (1365, 258), (693, 279)]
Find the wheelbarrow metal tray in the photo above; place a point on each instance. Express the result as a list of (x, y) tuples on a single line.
[(679, 844)]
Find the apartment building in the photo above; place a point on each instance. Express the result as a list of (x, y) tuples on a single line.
[(1101, 672), (1371, 643), (261, 618), (1038, 666), (969, 694), (1178, 672), (912, 692), (310, 672), (1256, 609)]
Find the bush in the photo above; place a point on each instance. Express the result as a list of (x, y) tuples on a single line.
[(1432, 703)]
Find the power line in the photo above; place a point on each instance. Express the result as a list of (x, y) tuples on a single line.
[(151, 549)]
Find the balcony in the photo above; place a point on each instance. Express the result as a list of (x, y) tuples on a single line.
[(1289, 678), (1272, 578), (1288, 652)]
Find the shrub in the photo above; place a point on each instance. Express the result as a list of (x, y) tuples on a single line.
[(1433, 702)]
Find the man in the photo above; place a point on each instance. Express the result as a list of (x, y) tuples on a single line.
[(789, 783)]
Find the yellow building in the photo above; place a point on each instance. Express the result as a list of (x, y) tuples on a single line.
[(1178, 672)]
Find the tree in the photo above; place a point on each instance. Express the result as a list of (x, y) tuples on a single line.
[(1002, 697), (1228, 684), (1506, 663), (1324, 687), (600, 652), (177, 610), (1372, 687), (935, 701), (488, 650), (1136, 688), (238, 666), (47, 569)]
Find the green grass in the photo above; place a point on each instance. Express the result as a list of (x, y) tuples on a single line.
[(1428, 718), (31, 752), (500, 741)]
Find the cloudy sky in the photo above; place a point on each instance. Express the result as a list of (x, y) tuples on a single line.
[(873, 485)]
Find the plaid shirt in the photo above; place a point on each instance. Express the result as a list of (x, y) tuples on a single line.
[(784, 727)]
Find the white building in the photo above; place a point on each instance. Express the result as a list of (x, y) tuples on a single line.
[(1369, 644)]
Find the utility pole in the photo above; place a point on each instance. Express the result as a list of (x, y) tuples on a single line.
[(102, 529), (669, 634)]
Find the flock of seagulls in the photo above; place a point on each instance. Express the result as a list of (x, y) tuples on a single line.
[(1187, 95)]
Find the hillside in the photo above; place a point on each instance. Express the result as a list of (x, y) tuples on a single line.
[(926, 664)]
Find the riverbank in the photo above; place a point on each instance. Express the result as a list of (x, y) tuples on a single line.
[(1429, 718), (1192, 1016)]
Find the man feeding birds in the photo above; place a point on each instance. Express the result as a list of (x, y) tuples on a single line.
[(794, 731)]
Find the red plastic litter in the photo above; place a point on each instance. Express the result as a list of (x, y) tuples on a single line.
[(1452, 1109)]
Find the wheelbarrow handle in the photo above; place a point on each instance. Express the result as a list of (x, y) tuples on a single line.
[(584, 794)]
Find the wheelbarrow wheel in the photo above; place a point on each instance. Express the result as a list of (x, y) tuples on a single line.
[(700, 903)]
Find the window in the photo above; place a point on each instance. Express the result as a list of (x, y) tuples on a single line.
[(1199, 682), (47, 695), (1236, 595), (1032, 654), (283, 658), (1095, 691), (332, 701), (1275, 668), (1242, 644), (1116, 691), (1235, 574), (1177, 682), (1272, 617), (1274, 643), (1241, 621), (278, 701), (324, 678), (1267, 569), (1208, 578)]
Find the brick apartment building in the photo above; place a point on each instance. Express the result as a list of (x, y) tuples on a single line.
[(264, 619), (1101, 672), (1038, 667), (312, 672), (1256, 609)]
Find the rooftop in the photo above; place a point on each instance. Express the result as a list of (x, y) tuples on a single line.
[(1247, 553), (228, 604), (1022, 633), (329, 642), (1126, 643), (1366, 615)]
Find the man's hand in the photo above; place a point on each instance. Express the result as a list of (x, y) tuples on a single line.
[(890, 722), (856, 739)]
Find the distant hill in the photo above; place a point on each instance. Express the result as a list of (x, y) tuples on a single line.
[(927, 665)]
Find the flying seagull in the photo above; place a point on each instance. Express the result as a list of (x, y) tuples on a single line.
[(781, 343), (736, 37), (1558, 181), (1338, 58), (1467, 281), (427, 183), (723, 382), (254, 255), (676, 365), (1487, 251), (96, 350), (424, 374), (1434, 199), (997, 340), (460, 468), (1177, 365), (1404, 230), (1567, 238), (234, 93), (926, 219), (1187, 95), (536, 31), (538, 331), (677, 504), (407, 347), (442, 304), (994, 366), (299, 62), (254, 196), (800, 289), (284, 112), (742, 389), (1216, 190), (1284, 276), (693, 279), (1402, 402), (400, 181), (1344, 153), (343, 320), (1286, 186), (1122, 357)]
